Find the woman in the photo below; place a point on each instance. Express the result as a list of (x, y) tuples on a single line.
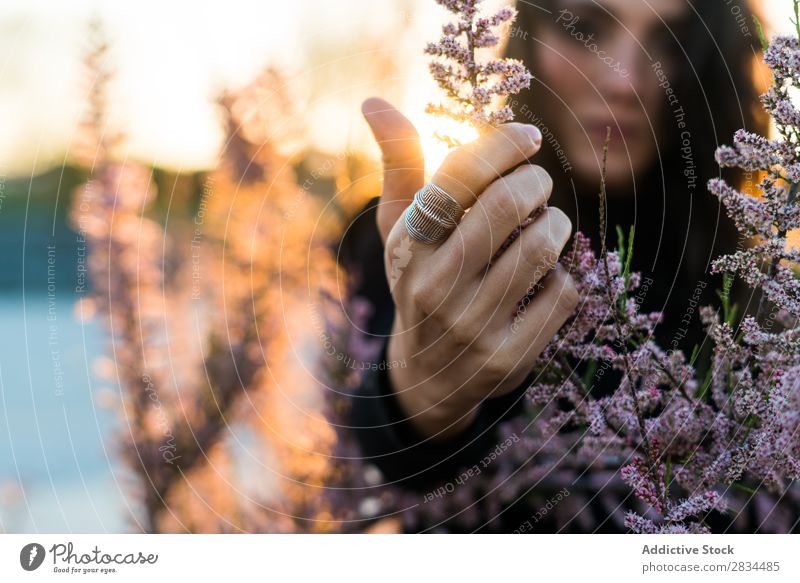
[(672, 79)]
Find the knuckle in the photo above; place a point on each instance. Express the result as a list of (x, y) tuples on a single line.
[(484, 358), (464, 331), (424, 297), (451, 256), (567, 298), (450, 166), (539, 251), (452, 161), (540, 177), (559, 226), (503, 205), (531, 184), (499, 366), (519, 138), (459, 173), (494, 369)]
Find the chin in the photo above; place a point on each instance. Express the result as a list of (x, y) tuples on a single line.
[(618, 174)]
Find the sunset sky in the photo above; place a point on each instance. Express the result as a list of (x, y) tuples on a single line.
[(172, 57)]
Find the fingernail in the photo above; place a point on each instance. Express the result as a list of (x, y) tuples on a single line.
[(535, 134)]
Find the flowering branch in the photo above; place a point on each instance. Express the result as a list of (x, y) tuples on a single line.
[(185, 397), (473, 89)]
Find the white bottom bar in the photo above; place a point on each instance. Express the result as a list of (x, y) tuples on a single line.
[(401, 558)]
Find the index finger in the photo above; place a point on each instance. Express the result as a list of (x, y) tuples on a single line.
[(470, 168)]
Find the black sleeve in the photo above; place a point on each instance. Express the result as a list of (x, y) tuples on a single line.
[(386, 437), (389, 440)]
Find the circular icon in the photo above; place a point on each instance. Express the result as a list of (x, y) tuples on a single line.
[(31, 556)]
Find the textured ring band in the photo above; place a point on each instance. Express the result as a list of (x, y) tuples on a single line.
[(432, 215), (424, 227), (439, 200)]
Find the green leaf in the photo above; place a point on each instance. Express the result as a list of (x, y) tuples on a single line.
[(620, 243), (796, 20), (668, 474), (744, 488), (760, 33), (629, 253), (590, 370), (695, 352), (732, 316), (702, 391), (729, 310)]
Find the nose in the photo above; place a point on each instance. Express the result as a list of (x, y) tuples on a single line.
[(624, 82)]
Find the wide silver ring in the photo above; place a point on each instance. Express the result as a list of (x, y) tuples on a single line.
[(432, 215)]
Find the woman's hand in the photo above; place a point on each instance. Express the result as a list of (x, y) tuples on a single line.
[(458, 325)]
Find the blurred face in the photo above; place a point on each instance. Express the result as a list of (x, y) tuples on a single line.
[(597, 62)]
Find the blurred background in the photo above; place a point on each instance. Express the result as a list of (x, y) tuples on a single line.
[(183, 83)]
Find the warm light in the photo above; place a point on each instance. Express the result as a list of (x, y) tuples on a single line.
[(434, 149), (164, 87)]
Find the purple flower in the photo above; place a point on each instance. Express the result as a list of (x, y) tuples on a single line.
[(473, 90)]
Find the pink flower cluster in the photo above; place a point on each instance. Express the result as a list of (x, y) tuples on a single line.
[(685, 437), (195, 344), (473, 90)]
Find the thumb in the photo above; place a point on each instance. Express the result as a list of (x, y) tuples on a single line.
[(403, 161)]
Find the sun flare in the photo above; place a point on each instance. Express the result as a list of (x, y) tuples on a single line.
[(434, 149)]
